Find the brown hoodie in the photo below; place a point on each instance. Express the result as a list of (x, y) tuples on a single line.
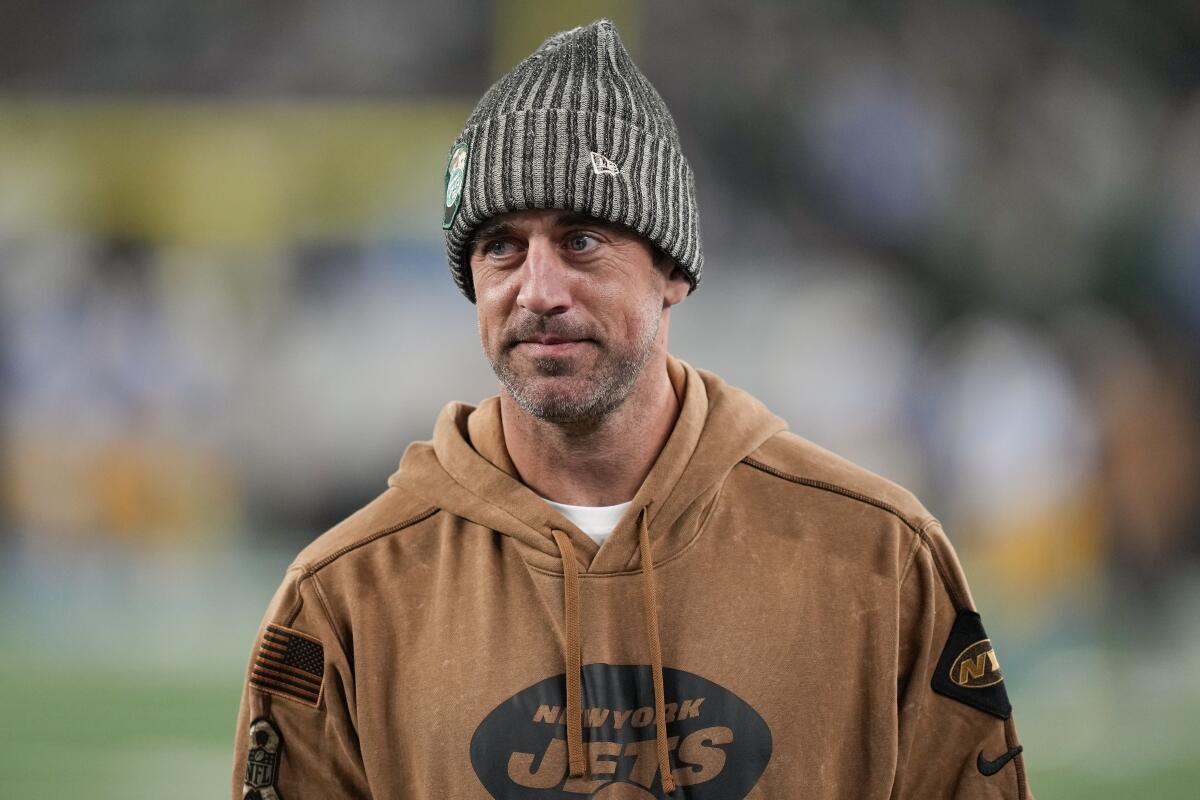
[(768, 620)]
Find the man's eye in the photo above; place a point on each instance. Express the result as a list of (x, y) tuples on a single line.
[(498, 248), (581, 242)]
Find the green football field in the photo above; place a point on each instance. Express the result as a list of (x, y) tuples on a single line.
[(70, 733)]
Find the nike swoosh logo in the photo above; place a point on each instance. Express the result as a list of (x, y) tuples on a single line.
[(992, 767)]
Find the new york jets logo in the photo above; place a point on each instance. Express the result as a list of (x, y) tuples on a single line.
[(718, 744), (968, 670), (976, 666), (456, 173)]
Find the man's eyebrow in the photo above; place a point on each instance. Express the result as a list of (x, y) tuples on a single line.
[(490, 231)]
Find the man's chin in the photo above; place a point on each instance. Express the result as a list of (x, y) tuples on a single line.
[(554, 398)]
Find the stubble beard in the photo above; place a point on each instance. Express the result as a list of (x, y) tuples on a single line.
[(587, 398)]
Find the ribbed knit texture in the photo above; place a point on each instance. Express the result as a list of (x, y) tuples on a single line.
[(532, 136)]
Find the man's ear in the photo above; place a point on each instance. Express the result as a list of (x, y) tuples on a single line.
[(678, 285)]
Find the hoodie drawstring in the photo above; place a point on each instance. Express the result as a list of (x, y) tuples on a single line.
[(648, 596), (573, 651)]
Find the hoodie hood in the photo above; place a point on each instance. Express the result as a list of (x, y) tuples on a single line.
[(466, 470)]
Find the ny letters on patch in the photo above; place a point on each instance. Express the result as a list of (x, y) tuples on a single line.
[(262, 761)]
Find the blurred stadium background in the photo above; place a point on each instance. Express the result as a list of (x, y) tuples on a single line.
[(957, 242)]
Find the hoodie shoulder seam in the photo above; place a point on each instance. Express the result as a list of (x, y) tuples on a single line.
[(316, 566), (816, 483), (920, 533)]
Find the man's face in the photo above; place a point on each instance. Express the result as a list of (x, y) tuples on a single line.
[(569, 310)]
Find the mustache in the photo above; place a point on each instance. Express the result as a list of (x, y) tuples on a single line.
[(527, 331)]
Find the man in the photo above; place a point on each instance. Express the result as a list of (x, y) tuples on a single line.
[(621, 577)]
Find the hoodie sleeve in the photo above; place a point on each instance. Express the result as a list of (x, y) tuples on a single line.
[(957, 737), (296, 733)]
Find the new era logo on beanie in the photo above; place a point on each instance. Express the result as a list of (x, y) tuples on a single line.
[(576, 126), (602, 166)]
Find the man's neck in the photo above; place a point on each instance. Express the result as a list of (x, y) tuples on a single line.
[(602, 465)]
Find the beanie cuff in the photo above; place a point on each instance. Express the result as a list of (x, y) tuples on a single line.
[(544, 159)]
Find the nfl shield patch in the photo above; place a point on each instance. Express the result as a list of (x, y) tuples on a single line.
[(262, 761)]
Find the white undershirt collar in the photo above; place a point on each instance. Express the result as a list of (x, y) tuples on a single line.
[(596, 521)]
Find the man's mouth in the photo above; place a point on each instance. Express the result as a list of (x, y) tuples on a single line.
[(551, 345)]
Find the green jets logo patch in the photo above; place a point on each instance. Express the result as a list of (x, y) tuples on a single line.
[(456, 173)]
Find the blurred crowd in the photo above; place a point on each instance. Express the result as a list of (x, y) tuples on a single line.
[(958, 243)]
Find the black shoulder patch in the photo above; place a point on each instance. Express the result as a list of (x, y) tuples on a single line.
[(968, 670), (262, 761)]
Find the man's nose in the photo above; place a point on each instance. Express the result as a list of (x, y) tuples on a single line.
[(545, 279)]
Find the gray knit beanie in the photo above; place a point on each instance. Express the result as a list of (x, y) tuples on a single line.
[(576, 126)]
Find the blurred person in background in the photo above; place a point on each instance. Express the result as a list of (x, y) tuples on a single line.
[(735, 608)]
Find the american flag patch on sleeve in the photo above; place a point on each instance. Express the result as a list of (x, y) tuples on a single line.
[(289, 664)]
